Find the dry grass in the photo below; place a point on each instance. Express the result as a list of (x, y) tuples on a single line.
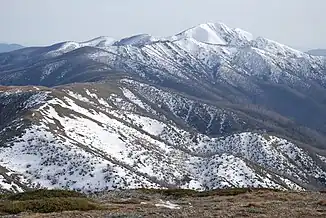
[(321, 202), (253, 203)]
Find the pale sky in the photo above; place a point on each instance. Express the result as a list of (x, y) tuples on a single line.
[(299, 23)]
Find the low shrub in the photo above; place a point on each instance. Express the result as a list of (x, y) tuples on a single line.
[(176, 193), (43, 193), (48, 205), (181, 193), (224, 192), (254, 210), (46, 201)]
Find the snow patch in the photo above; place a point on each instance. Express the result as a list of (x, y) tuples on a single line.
[(168, 204)]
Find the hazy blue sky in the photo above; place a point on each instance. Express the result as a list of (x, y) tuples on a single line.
[(301, 23)]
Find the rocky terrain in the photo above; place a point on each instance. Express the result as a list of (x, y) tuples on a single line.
[(210, 107)]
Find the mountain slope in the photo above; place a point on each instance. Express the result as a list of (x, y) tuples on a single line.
[(102, 136), (317, 52), (210, 107), (9, 47), (256, 72)]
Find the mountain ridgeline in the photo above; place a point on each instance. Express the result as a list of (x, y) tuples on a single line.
[(9, 47), (317, 52), (210, 107)]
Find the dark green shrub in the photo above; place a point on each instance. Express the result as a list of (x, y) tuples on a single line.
[(46, 201), (48, 205), (225, 192), (181, 193), (43, 193), (176, 193)]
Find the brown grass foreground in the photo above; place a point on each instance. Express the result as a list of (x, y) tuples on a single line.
[(148, 203)]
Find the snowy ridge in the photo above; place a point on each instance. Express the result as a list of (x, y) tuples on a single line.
[(90, 141), (102, 41), (137, 40), (210, 52)]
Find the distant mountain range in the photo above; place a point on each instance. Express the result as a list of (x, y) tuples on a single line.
[(210, 107), (9, 47), (317, 52)]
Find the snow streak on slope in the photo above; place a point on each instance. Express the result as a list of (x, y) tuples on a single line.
[(79, 140)]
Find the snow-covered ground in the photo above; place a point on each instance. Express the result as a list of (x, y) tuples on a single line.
[(85, 140)]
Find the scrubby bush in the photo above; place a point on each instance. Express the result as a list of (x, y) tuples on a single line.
[(43, 193), (48, 205), (181, 193), (46, 201)]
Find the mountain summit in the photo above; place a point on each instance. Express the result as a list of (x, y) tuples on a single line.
[(216, 33), (210, 107)]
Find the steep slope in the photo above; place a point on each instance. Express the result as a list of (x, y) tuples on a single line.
[(93, 137)]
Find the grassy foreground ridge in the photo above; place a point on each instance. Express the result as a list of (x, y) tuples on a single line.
[(236, 202)]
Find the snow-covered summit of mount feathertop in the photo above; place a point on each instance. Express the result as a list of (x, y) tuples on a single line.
[(208, 33), (216, 33), (213, 33), (210, 107)]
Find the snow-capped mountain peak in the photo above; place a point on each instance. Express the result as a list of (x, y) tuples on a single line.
[(62, 48), (102, 41), (65, 47), (137, 40), (216, 33)]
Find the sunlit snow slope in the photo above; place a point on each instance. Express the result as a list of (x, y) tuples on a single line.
[(94, 137)]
